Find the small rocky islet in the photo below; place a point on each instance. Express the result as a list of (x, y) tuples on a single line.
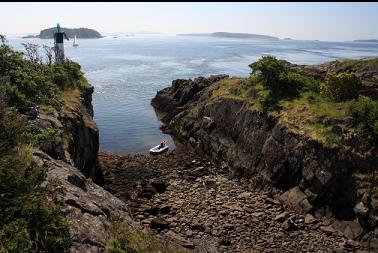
[(291, 174)]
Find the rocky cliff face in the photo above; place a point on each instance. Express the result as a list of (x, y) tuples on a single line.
[(318, 179), (82, 134), (89, 209), (71, 165), (79, 137)]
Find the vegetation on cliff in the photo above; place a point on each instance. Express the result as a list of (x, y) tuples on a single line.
[(139, 241), (29, 211), (317, 107)]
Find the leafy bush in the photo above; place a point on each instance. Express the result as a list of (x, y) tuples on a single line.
[(270, 71), (365, 110), (26, 81), (46, 139), (275, 77), (303, 82), (30, 218), (29, 221), (340, 87)]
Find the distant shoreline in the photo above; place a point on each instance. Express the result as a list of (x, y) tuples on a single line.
[(230, 35)]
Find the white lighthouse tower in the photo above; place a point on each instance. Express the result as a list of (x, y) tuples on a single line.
[(58, 44)]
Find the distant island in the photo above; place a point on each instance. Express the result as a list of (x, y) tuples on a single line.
[(372, 40), (84, 33), (231, 35), (30, 36)]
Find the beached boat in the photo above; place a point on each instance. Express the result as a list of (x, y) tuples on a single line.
[(158, 150)]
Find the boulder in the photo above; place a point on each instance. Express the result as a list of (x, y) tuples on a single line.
[(309, 219), (172, 236), (281, 217), (296, 199), (350, 229), (159, 223)]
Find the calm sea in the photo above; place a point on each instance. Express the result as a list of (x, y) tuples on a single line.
[(128, 71)]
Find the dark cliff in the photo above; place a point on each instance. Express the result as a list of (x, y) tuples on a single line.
[(82, 142), (318, 178)]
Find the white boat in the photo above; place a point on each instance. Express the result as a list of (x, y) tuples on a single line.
[(75, 42), (158, 150)]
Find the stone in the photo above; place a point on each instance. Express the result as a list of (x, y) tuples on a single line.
[(165, 209), (328, 229), (234, 207), (296, 199), (179, 239), (210, 183), (361, 209), (373, 243), (272, 201), (153, 210), (350, 229), (281, 217), (244, 195), (309, 219), (159, 185), (159, 223), (225, 241)]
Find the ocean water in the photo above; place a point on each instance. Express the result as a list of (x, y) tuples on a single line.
[(128, 71)]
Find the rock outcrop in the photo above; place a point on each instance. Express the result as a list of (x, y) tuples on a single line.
[(366, 69), (254, 143), (72, 166), (79, 142), (83, 137), (90, 209)]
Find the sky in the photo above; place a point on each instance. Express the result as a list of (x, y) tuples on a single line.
[(306, 21)]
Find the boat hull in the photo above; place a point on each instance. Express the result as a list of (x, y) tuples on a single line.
[(156, 150)]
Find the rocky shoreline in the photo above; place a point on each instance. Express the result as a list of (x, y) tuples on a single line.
[(243, 182), (189, 199)]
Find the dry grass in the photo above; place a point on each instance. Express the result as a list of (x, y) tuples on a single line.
[(134, 240), (73, 102), (71, 99), (304, 114)]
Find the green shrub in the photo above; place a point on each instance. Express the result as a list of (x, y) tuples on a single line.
[(270, 71), (365, 110), (26, 81), (267, 102), (303, 82), (30, 221), (340, 87), (45, 139), (274, 75)]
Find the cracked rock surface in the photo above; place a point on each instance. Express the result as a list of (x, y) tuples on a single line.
[(89, 208)]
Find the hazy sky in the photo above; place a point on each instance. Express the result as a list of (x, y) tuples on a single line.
[(322, 21)]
